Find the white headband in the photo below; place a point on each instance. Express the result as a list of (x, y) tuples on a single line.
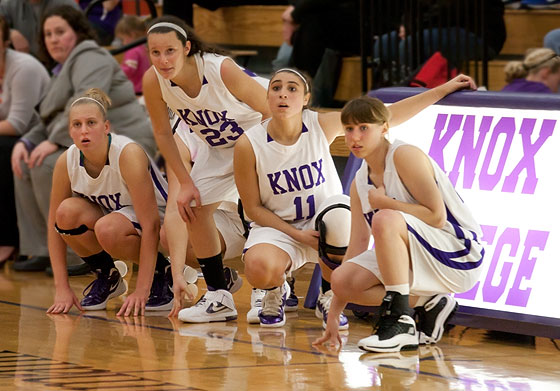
[(171, 26), (295, 72), (93, 100)]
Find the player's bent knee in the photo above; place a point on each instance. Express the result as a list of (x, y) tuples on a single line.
[(339, 282), (384, 222), (68, 213), (107, 234), (259, 271)]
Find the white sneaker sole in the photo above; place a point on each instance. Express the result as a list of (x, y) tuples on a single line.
[(186, 316), (163, 307), (407, 342)]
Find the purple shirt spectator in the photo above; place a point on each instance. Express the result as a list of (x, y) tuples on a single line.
[(523, 85)]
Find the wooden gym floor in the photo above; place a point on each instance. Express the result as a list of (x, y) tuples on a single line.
[(98, 351)]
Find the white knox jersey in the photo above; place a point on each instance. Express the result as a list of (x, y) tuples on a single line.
[(295, 179), (215, 115), (109, 189), (460, 221)]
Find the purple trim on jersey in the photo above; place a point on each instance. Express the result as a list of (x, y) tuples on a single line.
[(156, 181), (303, 130), (108, 147), (136, 225), (446, 257), (204, 80), (508, 100), (250, 73)]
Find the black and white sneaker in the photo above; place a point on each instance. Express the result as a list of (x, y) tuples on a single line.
[(395, 330), (433, 316)]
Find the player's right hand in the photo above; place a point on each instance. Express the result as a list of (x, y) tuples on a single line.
[(188, 193), (64, 299), (180, 290)]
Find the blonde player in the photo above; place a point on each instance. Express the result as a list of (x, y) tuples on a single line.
[(218, 100), (426, 240), (107, 201)]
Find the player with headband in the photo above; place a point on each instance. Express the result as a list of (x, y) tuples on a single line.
[(107, 201), (218, 100), (284, 172)]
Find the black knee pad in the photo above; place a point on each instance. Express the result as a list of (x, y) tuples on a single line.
[(71, 232), (334, 224)]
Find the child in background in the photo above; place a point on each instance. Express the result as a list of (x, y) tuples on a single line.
[(135, 61)]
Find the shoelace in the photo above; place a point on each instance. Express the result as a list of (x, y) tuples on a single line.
[(272, 302)]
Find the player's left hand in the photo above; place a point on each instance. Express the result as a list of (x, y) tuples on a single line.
[(134, 304), (459, 82)]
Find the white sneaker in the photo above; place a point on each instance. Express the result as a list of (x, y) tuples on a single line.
[(257, 296), (214, 306), (322, 310), (274, 302)]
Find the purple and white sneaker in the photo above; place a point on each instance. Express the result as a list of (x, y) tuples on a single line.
[(161, 292), (272, 313), (322, 310), (292, 301), (103, 288)]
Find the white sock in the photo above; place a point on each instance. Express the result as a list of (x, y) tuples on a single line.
[(403, 289)]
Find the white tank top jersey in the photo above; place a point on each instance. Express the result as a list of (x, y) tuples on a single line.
[(109, 189), (215, 115), (460, 221), (295, 179)]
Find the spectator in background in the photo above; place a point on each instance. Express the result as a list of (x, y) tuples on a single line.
[(284, 54), (322, 24), (67, 42), (24, 17), (135, 61), (320, 32), (103, 18), (23, 82), (538, 72), (552, 40)]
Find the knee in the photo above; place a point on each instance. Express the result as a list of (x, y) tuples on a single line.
[(259, 271), (107, 235), (384, 222), (68, 214), (339, 283)]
